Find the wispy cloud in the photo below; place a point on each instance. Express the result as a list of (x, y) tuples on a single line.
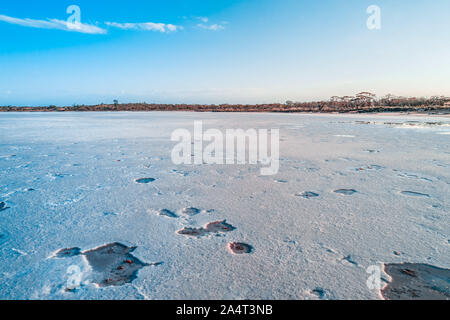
[(203, 19), (95, 29), (54, 24), (145, 26), (212, 27)]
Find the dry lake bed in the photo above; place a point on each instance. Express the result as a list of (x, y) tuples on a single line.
[(92, 207)]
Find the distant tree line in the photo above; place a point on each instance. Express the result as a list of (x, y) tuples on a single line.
[(369, 101), (361, 102)]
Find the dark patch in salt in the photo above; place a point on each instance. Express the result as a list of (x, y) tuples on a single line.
[(180, 172), (193, 232), (240, 248), (350, 260), (319, 292), (372, 167), (113, 264), (417, 281), (3, 206), (219, 226), (308, 195), (59, 175), (167, 213), (69, 252), (190, 211), (145, 180), (346, 192), (212, 227), (415, 194)]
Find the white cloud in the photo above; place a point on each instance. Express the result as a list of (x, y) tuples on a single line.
[(212, 27), (203, 19), (145, 26), (54, 24)]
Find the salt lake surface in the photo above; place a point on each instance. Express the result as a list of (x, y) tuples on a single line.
[(92, 207)]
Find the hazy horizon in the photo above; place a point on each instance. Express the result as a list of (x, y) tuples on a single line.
[(217, 52)]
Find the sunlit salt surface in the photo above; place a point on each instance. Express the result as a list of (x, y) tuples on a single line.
[(75, 184)]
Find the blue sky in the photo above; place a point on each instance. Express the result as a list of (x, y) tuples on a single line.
[(220, 51)]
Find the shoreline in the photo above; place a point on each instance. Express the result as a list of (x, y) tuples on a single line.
[(314, 108), (446, 113)]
